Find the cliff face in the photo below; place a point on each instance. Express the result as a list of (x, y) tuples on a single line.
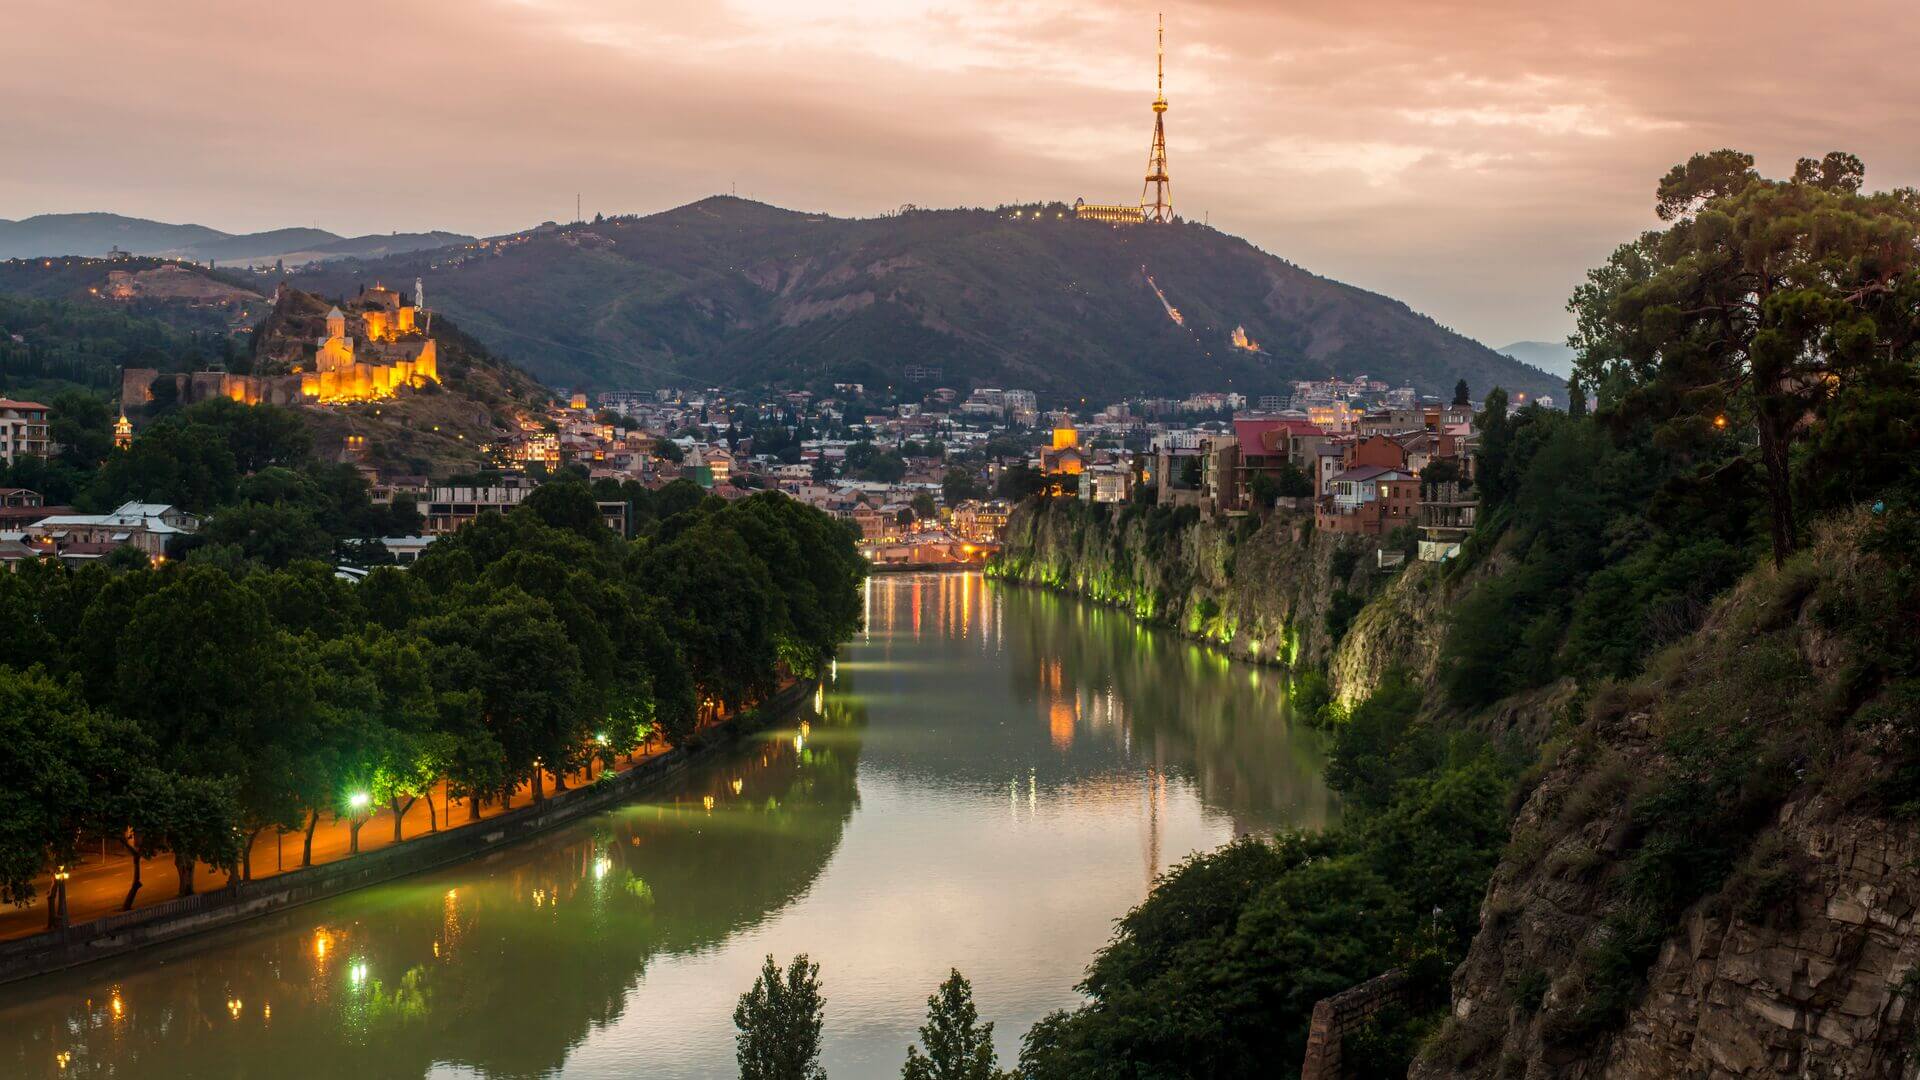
[(1259, 589), (1714, 875)]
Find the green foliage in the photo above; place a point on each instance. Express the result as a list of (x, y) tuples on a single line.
[(1020, 481), (959, 485), (1764, 304), (1380, 743), (1383, 1046), (1342, 608), (959, 1047), (1217, 971), (779, 1023), (263, 690), (1616, 547), (66, 762), (87, 344), (1310, 693)]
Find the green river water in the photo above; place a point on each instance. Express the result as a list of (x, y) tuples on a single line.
[(990, 778)]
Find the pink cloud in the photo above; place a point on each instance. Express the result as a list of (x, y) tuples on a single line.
[(1470, 158)]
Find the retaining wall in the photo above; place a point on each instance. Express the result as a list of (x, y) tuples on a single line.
[(1336, 1016), (116, 935)]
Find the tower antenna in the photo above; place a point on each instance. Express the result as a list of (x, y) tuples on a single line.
[(1156, 197)]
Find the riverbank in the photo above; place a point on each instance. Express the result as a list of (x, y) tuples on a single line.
[(119, 934), (1270, 590)]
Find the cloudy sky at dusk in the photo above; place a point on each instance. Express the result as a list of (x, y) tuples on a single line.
[(1471, 158)]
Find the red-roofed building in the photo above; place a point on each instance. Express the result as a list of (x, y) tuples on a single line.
[(23, 430), (1268, 443)]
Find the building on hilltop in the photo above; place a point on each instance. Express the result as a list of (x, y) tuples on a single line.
[(391, 352), (364, 356)]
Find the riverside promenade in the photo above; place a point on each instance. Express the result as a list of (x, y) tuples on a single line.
[(98, 928)]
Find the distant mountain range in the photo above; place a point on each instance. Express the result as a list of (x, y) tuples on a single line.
[(1552, 356), (97, 234), (730, 292)]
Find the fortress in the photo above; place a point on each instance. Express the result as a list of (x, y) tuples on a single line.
[(365, 356), (390, 352)]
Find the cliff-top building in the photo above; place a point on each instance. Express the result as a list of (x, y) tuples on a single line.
[(391, 352), (364, 356)]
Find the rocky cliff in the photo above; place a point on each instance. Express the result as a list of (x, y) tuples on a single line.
[(1717, 873), (1260, 589)]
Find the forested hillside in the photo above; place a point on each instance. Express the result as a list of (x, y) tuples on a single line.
[(725, 290)]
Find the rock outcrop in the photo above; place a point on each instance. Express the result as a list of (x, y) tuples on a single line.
[(1259, 589), (1707, 880)]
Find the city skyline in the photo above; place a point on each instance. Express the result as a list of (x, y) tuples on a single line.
[(1471, 160)]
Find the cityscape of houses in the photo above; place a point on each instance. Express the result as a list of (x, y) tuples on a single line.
[(929, 482)]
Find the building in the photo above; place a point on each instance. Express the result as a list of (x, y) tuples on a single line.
[(980, 521), (1370, 500), (147, 527), (390, 353), (1065, 456), (23, 430), (1448, 513), (1205, 476), (1268, 445), (452, 507)]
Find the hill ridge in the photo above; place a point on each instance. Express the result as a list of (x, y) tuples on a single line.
[(742, 292)]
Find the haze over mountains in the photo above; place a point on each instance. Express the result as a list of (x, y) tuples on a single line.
[(728, 291), (100, 233)]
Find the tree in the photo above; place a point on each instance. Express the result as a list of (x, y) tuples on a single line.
[(82, 425), (959, 485), (1759, 303), (779, 1021), (274, 534), (63, 760), (1020, 481), (924, 508), (1461, 395), (959, 1047), (197, 818), (568, 505), (226, 698)]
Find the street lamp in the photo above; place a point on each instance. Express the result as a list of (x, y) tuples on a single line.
[(357, 803), (58, 901)]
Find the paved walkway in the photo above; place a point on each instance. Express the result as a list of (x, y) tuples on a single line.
[(99, 885)]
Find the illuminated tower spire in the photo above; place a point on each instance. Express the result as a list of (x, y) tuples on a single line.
[(1156, 198)]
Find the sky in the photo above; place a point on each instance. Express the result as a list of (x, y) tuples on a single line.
[(1470, 158)]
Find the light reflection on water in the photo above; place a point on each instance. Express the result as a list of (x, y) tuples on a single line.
[(993, 776)]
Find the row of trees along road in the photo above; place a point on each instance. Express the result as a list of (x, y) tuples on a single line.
[(183, 710)]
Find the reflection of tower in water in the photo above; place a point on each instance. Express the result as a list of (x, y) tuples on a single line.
[(1156, 791)]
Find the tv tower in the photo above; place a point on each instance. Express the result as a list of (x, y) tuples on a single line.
[(1156, 198)]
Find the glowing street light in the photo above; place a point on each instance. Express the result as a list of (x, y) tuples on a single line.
[(357, 802)]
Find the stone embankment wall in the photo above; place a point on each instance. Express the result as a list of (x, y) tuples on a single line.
[(1337, 1016), (116, 935)]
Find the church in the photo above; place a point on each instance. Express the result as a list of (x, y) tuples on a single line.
[(390, 351)]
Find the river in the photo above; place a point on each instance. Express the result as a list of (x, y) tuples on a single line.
[(992, 775)]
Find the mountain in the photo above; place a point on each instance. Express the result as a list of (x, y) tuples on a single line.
[(95, 234), (1552, 356), (727, 291), (49, 235)]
